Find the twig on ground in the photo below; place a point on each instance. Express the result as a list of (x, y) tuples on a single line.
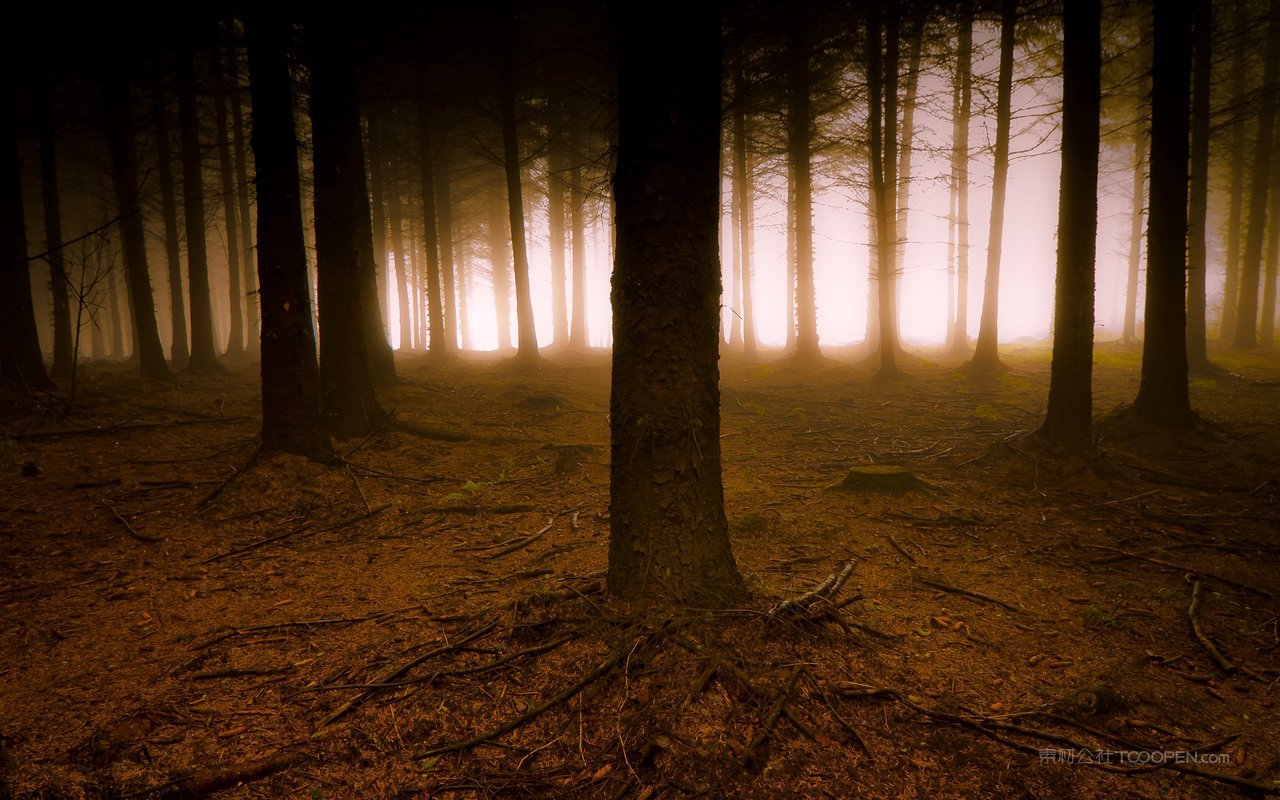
[(1193, 613), (1181, 568), (304, 529), (946, 587)]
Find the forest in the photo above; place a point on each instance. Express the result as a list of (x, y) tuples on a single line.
[(588, 399)]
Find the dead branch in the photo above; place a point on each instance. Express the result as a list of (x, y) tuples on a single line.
[(396, 672), (946, 587), (215, 779), (132, 533), (753, 758), (304, 529), (1180, 567), (606, 667), (108, 430), (816, 603), (1193, 613)]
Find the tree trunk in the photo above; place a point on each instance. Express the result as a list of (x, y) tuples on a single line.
[(344, 237), (464, 301), (986, 356), (577, 223), (116, 315), (377, 163), (907, 139), (21, 362), (1129, 334), (59, 282), (744, 190), (178, 349), (124, 174), (437, 346), (1164, 397), (249, 284), (500, 270), (235, 295), (397, 248), (555, 224), (526, 334), (1235, 213), (1266, 325), (1070, 413), (290, 377), (1246, 335), (203, 354), (882, 86), (668, 533), (960, 171), (444, 219), (799, 151), (1197, 347)]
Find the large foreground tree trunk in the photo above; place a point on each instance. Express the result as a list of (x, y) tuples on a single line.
[(668, 533), (986, 357), (1164, 395), (124, 178), (290, 377), (1070, 413)]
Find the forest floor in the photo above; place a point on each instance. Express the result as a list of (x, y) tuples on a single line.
[(343, 631)]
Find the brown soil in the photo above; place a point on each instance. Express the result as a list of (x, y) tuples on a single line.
[(1018, 595)]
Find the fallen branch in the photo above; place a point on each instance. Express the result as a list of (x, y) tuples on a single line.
[(816, 603), (132, 533), (752, 758), (607, 666), (304, 529), (1193, 613), (946, 587), (523, 542), (1181, 568), (303, 623), (206, 782), (396, 672), (110, 429)]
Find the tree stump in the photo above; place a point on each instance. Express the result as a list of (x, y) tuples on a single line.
[(886, 478)]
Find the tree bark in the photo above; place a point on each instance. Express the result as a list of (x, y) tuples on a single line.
[(1246, 335), (986, 356), (203, 354), (178, 349), (124, 174), (668, 532), (960, 171), (21, 362), (235, 295), (1070, 412), (344, 237), (799, 152), (1197, 260), (290, 376), (436, 344), (526, 334), (1164, 395), (58, 279)]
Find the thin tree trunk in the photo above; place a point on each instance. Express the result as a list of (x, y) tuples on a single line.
[(907, 139), (116, 315), (444, 221), (501, 270), (1164, 395), (58, 279), (249, 286), (464, 301), (960, 169), (882, 83), (377, 164), (430, 233), (290, 376), (203, 353), (952, 202), (1197, 347), (1070, 413), (397, 248), (124, 174), (1235, 213), (986, 357), (1129, 334), (527, 335), (178, 348), (668, 533), (555, 225), (799, 152), (1246, 335), (235, 296), (577, 224), (744, 191)]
